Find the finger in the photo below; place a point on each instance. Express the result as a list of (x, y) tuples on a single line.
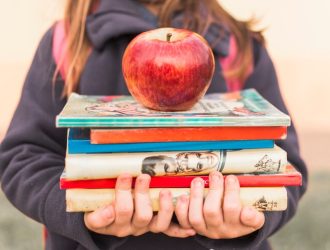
[(212, 204), (195, 212), (162, 220), (99, 219), (181, 211), (174, 230), (250, 217), (142, 204), (123, 200), (231, 201)]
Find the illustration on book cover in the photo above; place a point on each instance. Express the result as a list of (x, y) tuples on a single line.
[(202, 161), (210, 105), (268, 165), (183, 162), (265, 205)]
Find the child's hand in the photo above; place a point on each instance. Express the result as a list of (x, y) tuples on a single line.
[(128, 216), (220, 215)]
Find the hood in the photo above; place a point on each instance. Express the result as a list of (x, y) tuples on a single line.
[(128, 17)]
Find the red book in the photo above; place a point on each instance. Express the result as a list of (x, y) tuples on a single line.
[(291, 177), (132, 135)]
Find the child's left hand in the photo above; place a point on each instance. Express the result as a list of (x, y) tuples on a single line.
[(220, 215)]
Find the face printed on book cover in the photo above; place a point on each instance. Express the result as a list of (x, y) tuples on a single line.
[(185, 162), (196, 161)]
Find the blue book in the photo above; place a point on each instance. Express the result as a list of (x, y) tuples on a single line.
[(79, 143)]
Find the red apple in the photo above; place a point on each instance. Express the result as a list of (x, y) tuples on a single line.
[(168, 69)]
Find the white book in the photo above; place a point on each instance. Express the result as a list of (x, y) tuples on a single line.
[(262, 198), (111, 165)]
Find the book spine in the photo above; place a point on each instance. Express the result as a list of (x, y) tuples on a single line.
[(100, 166), (262, 198), (131, 135)]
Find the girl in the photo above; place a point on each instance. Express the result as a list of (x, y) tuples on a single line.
[(96, 35)]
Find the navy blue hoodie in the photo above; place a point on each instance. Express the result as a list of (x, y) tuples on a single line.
[(33, 150)]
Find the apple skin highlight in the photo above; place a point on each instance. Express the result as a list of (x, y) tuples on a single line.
[(168, 69)]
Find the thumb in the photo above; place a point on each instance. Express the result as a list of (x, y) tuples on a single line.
[(251, 217), (99, 218)]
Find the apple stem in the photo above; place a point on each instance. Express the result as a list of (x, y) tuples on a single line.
[(168, 37)]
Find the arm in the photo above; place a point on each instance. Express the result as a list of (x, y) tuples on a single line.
[(264, 80), (32, 153)]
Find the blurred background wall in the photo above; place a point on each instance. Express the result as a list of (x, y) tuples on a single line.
[(298, 40)]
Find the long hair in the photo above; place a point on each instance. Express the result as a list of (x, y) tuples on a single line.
[(78, 46), (77, 43)]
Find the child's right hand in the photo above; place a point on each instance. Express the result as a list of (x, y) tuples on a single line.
[(128, 216)]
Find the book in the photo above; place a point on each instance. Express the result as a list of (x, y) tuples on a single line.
[(133, 135), (110, 165), (241, 108), (79, 143), (290, 177), (262, 198)]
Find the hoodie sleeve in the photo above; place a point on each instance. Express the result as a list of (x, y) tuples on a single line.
[(264, 80), (33, 151)]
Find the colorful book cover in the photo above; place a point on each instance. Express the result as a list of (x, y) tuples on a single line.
[(79, 143), (290, 177), (110, 165), (244, 108), (262, 198), (134, 135)]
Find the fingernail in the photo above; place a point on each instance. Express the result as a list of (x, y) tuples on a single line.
[(165, 193), (125, 178), (250, 213), (231, 180), (198, 183), (144, 180), (183, 198), (107, 212), (191, 232), (215, 177)]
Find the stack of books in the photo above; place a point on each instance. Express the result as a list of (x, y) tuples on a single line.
[(232, 133)]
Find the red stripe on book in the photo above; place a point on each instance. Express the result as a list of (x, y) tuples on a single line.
[(290, 177)]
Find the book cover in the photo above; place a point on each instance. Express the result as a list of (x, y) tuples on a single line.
[(290, 177), (79, 143), (262, 198), (244, 108), (100, 166), (133, 135)]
